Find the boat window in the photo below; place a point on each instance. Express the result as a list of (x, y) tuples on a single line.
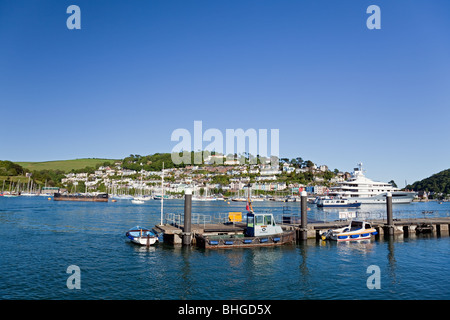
[(268, 220), (259, 220), (367, 226), (356, 225), (250, 221)]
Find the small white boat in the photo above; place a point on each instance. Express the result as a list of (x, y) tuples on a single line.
[(143, 198), (195, 198), (159, 197), (141, 236), (137, 201), (121, 197), (356, 230), (10, 195), (330, 202)]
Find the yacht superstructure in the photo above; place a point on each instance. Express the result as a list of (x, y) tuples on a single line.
[(360, 189)]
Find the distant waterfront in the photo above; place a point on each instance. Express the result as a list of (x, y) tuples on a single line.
[(41, 238)]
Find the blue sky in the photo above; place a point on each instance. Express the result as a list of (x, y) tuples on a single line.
[(137, 70)]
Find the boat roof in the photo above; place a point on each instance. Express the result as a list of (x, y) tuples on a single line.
[(138, 228), (259, 214)]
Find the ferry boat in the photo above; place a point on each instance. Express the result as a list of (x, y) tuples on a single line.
[(141, 236), (360, 189), (356, 230), (331, 202), (102, 197)]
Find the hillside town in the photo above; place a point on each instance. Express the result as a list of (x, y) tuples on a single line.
[(208, 179)]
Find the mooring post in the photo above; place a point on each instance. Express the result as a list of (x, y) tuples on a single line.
[(304, 216), (390, 217), (187, 217)]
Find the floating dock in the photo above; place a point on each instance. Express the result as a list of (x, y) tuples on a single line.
[(405, 227), (173, 234), (223, 235), (239, 234), (203, 233)]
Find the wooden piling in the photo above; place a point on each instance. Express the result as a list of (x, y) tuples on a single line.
[(186, 235), (303, 234), (390, 218)]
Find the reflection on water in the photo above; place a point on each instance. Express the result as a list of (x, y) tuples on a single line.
[(92, 237), (350, 248), (391, 259)]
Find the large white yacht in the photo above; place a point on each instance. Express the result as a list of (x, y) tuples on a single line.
[(360, 189)]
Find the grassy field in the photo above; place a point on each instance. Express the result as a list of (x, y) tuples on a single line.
[(15, 179), (64, 165)]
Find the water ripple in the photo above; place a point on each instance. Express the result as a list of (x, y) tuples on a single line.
[(41, 238)]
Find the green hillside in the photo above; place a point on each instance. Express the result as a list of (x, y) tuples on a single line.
[(64, 165), (438, 183)]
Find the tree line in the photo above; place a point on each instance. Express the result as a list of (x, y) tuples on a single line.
[(438, 183)]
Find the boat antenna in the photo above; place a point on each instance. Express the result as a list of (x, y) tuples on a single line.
[(249, 202)]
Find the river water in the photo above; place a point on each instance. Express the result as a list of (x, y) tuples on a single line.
[(40, 239)]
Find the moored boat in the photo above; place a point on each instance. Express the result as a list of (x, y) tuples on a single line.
[(102, 197), (159, 197), (121, 197), (261, 230), (142, 198), (141, 236), (209, 198), (336, 202), (10, 195), (356, 230), (360, 189)]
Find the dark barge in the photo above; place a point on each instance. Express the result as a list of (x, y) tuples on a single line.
[(242, 241), (103, 197), (259, 231)]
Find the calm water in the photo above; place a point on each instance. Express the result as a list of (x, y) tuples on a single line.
[(40, 239)]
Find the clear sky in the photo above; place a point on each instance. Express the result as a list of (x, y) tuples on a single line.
[(137, 70)]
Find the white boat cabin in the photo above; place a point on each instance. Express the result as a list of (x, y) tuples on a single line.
[(261, 224)]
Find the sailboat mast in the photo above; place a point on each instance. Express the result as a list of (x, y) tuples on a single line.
[(162, 193)]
